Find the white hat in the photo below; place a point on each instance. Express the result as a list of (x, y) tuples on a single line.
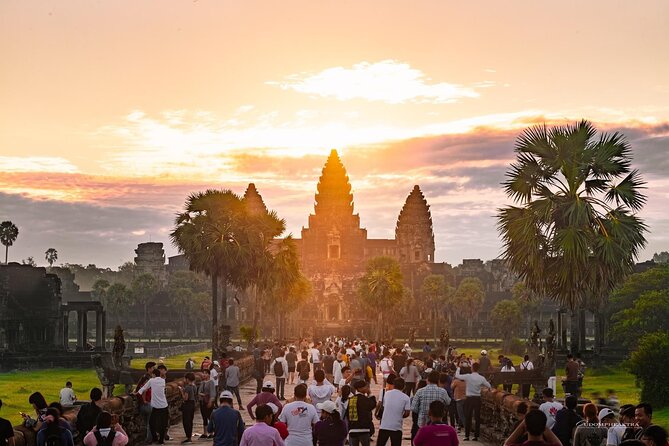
[(428, 370), (216, 363), (605, 412), (484, 352), (328, 406), (268, 385), (274, 407), (226, 394)]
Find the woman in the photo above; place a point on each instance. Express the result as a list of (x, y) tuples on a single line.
[(330, 430), (410, 375), (508, 367), (291, 358), (589, 432), (31, 426), (53, 430), (188, 393), (342, 400), (459, 395)]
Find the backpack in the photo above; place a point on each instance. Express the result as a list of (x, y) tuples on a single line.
[(53, 438), (278, 369), (107, 441), (303, 369)]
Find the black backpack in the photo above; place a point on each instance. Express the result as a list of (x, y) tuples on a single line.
[(304, 370), (107, 441), (278, 369)]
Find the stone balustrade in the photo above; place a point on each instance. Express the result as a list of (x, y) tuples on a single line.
[(498, 414)]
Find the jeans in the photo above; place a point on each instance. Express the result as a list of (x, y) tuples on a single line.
[(395, 438), (571, 387), (159, 423), (280, 388), (206, 413), (452, 413), (188, 413), (409, 387), (460, 407), (358, 439), (235, 391), (259, 382), (473, 409), (145, 411)]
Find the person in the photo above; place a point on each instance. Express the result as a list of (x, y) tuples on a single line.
[(300, 417), (436, 433), (538, 434), (189, 394), (549, 407), (359, 414), (53, 433), (258, 369), (291, 359), (654, 436), (280, 368), (590, 432), (328, 361), (62, 421), (337, 367), (330, 430), (262, 433), (190, 365), (386, 365), (396, 407), (410, 375), (67, 396), (232, 378), (342, 400), (521, 411), (145, 401), (316, 356), (643, 415), (626, 430), (572, 372), (423, 397), (159, 420), (215, 374), (303, 368), (484, 362), (107, 431), (265, 396), (566, 420), (276, 424), (507, 368), (474, 381), (6, 431), (206, 363), (321, 390), (459, 388), (207, 395), (226, 424), (88, 413), (526, 364)]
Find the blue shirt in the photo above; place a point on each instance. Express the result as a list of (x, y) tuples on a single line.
[(227, 425)]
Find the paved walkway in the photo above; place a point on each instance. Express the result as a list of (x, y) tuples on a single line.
[(248, 390)]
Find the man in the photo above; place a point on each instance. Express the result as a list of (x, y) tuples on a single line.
[(427, 348), (386, 365), (207, 396), (316, 356), (473, 383), (437, 433), (359, 413), (396, 407), (336, 370), (566, 420), (214, 373), (321, 390), (6, 431), (484, 362), (190, 365), (549, 407), (300, 417), (89, 412), (232, 375), (526, 364), (67, 396), (538, 434), (258, 368), (266, 395), (328, 364), (280, 367), (626, 430), (643, 415), (159, 421), (572, 371), (226, 423), (262, 433), (145, 408), (424, 397)]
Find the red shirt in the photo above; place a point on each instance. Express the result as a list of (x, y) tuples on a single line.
[(282, 428), (436, 435)]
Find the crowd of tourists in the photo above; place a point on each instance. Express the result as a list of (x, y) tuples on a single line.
[(332, 403)]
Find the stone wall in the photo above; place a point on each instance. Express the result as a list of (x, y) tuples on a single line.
[(498, 414)]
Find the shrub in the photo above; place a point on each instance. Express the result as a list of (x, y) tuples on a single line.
[(649, 363)]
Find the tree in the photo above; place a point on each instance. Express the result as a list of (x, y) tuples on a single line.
[(117, 300), (99, 290), (468, 299), (649, 363), (435, 293), (381, 289), (527, 301), (144, 290), (29, 261), (662, 257), (8, 235), (51, 255), (504, 317), (575, 234)]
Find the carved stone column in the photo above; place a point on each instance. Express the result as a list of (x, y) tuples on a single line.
[(99, 335), (80, 332), (66, 331)]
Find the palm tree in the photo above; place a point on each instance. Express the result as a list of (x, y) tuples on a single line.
[(575, 234), (435, 293), (117, 300), (8, 234), (381, 289), (144, 289), (51, 255), (468, 299)]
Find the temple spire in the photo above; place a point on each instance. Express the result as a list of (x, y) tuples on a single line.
[(334, 189), (253, 200), (413, 232)]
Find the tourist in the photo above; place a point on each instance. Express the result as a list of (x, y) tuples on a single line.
[(262, 433), (225, 425), (214, 374), (359, 414), (526, 364), (291, 359), (303, 368), (538, 434), (300, 417), (643, 415), (550, 407), (625, 430), (232, 380), (107, 431), (190, 365), (410, 375), (424, 397), (372, 357), (590, 432), (53, 433), (396, 407), (436, 433), (189, 395), (337, 367), (571, 380), (330, 430), (276, 351), (328, 361), (258, 369), (459, 388), (473, 382), (61, 421), (445, 381), (484, 362), (654, 436), (266, 395), (315, 354), (521, 411), (507, 368), (280, 368), (386, 365), (276, 424), (321, 390), (145, 401), (88, 414), (207, 395), (342, 400), (566, 420), (581, 372), (159, 420), (206, 363), (67, 396), (6, 431), (426, 347)]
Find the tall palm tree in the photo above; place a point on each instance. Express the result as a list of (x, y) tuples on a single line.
[(468, 299), (381, 289), (574, 234), (8, 234), (51, 255), (435, 293)]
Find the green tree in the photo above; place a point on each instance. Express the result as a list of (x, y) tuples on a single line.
[(29, 261), (51, 255), (144, 290), (575, 235), (468, 299), (649, 363), (504, 317), (436, 294), (662, 257), (99, 290), (381, 289), (117, 301), (8, 235), (528, 302)]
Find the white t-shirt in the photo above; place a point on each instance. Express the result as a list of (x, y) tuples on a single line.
[(386, 365), (550, 409), (157, 386), (213, 374), (615, 434), (395, 402), (315, 355), (67, 397), (299, 417), (526, 365)]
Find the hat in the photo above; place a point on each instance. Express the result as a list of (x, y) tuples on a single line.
[(484, 352), (428, 370), (274, 407), (327, 405), (627, 410), (216, 363), (268, 385), (605, 412), (226, 394)]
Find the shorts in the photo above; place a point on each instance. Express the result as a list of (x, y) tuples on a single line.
[(291, 369)]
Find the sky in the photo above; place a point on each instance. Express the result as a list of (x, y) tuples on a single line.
[(112, 112)]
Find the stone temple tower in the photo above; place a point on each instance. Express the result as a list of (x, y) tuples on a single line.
[(254, 201), (413, 233)]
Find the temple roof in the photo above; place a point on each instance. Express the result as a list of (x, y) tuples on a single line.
[(334, 189), (253, 200), (415, 215)]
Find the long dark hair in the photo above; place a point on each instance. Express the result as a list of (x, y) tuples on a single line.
[(345, 392), (38, 400), (52, 428)]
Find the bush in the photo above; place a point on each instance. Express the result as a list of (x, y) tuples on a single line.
[(649, 363)]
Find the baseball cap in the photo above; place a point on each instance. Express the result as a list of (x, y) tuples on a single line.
[(274, 408), (484, 352), (226, 394), (605, 412), (328, 406), (268, 385), (216, 363)]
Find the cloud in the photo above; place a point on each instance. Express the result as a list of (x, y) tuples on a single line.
[(36, 164), (386, 81)]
